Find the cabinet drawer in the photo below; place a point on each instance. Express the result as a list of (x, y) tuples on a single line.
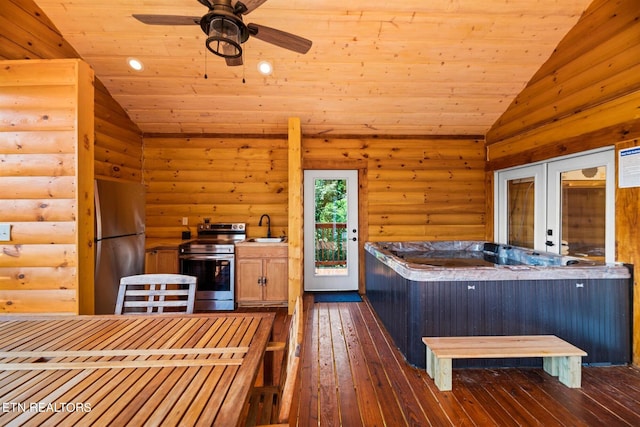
[(261, 251)]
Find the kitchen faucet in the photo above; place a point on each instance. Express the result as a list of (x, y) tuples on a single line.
[(268, 224)]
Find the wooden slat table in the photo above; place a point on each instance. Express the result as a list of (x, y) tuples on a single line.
[(116, 370)]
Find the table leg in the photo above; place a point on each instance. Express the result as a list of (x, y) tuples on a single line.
[(443, 374), (551, 365), (570, 371), (430, 361)]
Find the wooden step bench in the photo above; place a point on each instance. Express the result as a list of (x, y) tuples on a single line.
[(560, 358)]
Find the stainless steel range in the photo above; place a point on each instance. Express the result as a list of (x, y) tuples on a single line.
[(211, 258)]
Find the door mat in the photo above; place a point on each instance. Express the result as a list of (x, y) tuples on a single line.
[(336, 297)]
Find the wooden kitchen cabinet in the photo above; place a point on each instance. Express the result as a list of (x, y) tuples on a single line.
[(261, 274), (163, 261)]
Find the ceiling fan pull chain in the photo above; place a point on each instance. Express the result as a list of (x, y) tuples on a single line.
[(205, 65)]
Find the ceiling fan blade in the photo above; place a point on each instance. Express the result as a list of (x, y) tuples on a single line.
[(280, 38), (251, 5), (234, 62), (167, 19)]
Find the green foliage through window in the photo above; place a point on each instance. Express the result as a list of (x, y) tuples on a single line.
[(331, 200), (331, 208)]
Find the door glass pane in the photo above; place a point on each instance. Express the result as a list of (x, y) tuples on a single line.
[(583, 212), (330, 226), (520, 208)]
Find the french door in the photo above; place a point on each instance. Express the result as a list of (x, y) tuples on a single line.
[(330, 230), (521, 206), (564, 206)]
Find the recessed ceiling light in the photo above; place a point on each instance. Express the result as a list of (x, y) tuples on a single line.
[(135, 64), (265, 67)]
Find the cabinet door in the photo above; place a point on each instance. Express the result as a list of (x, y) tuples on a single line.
[(167, 262), (150, 262), (277, 286), (162, 261), (248, 287)]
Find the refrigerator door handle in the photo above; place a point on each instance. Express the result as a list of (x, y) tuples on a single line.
[(98, 256)]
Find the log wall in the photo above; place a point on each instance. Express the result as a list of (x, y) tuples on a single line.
[(587, 95), (46, 185), (226, 179), (416, 189), (118, 146)]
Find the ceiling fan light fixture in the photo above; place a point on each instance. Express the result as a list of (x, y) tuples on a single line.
[(225, 37), (226, 31)]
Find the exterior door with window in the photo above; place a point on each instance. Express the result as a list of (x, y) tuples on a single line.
[(330, 230)]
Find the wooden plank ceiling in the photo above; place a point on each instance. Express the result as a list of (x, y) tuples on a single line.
[(415, 67)]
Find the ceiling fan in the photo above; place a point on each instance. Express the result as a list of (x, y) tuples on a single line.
[(226, 31)]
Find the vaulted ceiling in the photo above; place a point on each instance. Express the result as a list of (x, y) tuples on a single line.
[(411, 67)]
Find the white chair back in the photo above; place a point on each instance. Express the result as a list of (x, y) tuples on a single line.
[(156, 293)]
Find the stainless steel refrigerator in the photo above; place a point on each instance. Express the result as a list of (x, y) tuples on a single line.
[(119, 248)]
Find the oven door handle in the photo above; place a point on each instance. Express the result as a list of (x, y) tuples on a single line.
[(207, 257)]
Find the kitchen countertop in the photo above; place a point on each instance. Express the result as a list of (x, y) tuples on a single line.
[(168, 243), (250, 243), (162, 243)]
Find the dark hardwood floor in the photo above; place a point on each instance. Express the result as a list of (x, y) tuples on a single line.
[(352, 375)]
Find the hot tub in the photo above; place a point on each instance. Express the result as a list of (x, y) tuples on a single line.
[(456, 288)]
